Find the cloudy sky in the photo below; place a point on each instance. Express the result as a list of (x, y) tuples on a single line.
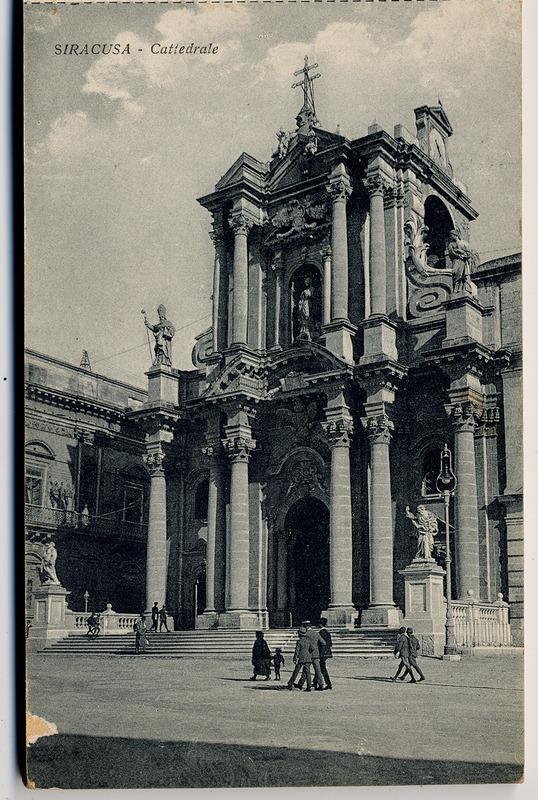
[(118, 148)]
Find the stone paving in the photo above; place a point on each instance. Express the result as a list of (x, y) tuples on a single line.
[(190, 722)]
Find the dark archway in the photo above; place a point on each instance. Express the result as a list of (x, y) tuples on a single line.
[(307, 525), (439, 223)]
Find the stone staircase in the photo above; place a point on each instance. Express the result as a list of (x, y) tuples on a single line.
[(361, 642)]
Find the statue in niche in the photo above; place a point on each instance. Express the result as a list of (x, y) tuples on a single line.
[(303, 310), (48, 565), (463, 259), (283, 143), (164, 332), (426, 528)]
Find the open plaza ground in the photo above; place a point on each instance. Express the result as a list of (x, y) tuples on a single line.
[(151, 722)]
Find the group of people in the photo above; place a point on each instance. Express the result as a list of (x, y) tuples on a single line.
[(159, 616), (406, 649), (312, 649)]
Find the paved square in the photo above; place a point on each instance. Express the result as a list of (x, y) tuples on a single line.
[(127, 722)]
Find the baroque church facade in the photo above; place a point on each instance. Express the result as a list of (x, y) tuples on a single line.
[(354, 333)]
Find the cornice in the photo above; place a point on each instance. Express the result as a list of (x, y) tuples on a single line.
[(75, 403)]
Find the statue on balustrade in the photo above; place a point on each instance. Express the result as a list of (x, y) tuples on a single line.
[(54, 494), (426, 528), (463, 260), (48, 565)]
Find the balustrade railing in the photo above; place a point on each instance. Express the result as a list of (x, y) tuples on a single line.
[(481, 624), (110, 621), (103, 525)]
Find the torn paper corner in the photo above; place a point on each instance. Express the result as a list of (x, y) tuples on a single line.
[(36, 727)]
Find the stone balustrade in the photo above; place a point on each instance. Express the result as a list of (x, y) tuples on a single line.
[(481, 624), (111, 622)]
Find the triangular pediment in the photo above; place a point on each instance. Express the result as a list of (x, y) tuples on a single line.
[(298, 164), (438, 116), (245, 168)]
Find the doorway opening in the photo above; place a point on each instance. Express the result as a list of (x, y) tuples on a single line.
[(307, 526)]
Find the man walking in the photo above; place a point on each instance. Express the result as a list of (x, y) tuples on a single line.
[(317, 643), (401, 651), (302, 658), (325, 652), (163, 619), (154, 617), (414, 647)]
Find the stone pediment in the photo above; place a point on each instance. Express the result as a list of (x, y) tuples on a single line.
[(301, 368), (241, 375), (245, 168)]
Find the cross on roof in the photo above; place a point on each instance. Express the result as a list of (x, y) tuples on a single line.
[(307, 83)]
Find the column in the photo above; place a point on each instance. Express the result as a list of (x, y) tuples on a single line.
[(220, 290), (240, 225), (282, 578), (326, 256), (466, 504), (215, 555), (156, 546), (381, 610), (339, 187), (378, 266), (278, 270), (339, 428), (238, 614)]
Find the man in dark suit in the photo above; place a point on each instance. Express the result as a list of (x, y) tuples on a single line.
[(325, 651), (414, 647), (401, 651), (154, 617), (317, 642)]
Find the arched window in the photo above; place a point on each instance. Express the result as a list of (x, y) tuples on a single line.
[(201, 498), (439, 223), (38, 456), (305, 294), (431, 466)]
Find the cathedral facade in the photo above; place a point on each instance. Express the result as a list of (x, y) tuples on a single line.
[(354, 334)]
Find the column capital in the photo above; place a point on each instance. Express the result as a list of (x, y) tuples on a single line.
[(217, 236), (238, 448), (212, 451), (326, 251), (240, 223), (378, 428), (84, 436), (338, 432), (376, 184), (390, 195), (464, 416), (339, 188), (154, 459)]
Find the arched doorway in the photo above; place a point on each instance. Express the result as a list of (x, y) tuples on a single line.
[(307, 528)]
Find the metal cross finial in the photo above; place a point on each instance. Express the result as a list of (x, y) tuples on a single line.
[(307, 83)]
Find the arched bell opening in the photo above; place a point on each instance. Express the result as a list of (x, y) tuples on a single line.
[(439, 223)]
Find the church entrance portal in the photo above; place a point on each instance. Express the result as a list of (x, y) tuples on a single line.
[(307, 528)]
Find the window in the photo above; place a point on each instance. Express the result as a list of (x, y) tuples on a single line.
[(201, 500), (431, 466), (35, 485), (133, 503)]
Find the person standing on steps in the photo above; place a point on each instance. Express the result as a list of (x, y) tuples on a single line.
[(140, 629), (302, 659), (261, 657), (154, 617), (163, 619)]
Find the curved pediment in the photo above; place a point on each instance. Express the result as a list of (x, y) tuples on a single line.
[(291, 369)]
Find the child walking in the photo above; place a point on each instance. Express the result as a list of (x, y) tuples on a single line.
[(278, 661)]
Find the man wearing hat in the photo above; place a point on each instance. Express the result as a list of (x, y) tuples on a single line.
[(302, 658), (317, 644)]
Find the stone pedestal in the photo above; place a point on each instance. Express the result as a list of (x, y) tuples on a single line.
[(339, 338), (425, 610), (163, 386), (207, 620), (379, 339), (341, 616), (463, 319), (48, 624), (381, 616)]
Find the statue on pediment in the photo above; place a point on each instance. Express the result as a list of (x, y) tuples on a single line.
[(283, 143)]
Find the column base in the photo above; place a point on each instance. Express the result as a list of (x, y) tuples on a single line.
[(242, 620), (379, 339), (381, 617), (340, 616), (281, 619), (339, 338), (207, 620)]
